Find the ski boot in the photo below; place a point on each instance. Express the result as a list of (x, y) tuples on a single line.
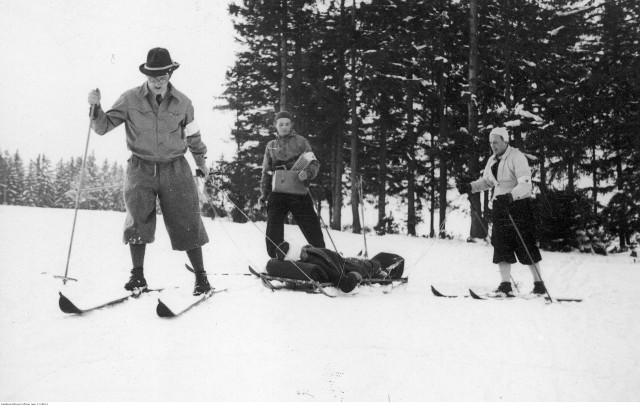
[(136, 281), (202, 283), (349, 282), (539, 288), (504, 290), (282, 250)]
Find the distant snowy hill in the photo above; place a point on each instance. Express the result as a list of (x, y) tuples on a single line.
[(251, 344)]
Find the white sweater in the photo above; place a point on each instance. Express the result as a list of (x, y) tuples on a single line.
[(514, 175)]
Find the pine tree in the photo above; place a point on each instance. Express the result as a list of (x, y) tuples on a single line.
[(15, 181), (46, 182), (5, 165), (62, 184), (30, 195)]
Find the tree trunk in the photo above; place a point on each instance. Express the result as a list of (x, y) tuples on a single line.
[(432, 186), (411, 164), (283, 55), (623, 226), (478, 225), (443, 193), (336, 177), (355, 175), (296, 91), (382, 170), (508, 88), (594, 175), (443, 186), (338, 138), (570, 165)]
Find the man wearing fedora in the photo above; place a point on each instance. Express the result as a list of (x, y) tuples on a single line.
[(508, 171), (160, 128)]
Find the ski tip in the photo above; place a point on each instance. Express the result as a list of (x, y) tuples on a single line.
[(190, 268), (163, 311), (435, 292), (475, 295), (254, 272), (66, 306)]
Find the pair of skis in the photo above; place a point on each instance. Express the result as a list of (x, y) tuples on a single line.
[(164, 310), (315, 286), (489, 296)]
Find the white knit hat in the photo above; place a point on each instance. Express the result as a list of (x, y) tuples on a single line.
[(501, 131)]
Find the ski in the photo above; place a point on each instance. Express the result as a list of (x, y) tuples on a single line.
[(392, 282), (165, 311), (522, 296), (489, 296), (438, 294), (264, 281), (292, 284), (67, 306)]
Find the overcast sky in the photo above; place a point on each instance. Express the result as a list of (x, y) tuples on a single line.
[(54, 51)]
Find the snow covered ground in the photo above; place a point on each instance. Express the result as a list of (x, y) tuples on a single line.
[(250, 344)]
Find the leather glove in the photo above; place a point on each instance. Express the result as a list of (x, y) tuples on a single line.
[(305, 175), (501, 205), (505, 200), (94, 101), (202, 171), (262, 204), (464, 188)]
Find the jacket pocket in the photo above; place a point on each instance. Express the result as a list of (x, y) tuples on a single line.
[(141, 118), (173, 122), (171, 137)]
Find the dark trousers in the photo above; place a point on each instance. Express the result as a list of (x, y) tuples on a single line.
[(301, 208), (505, 240)]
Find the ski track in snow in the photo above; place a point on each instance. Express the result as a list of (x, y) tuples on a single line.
[(250, 344)]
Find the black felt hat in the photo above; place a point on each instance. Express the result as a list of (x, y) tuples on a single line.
[(158, 63)]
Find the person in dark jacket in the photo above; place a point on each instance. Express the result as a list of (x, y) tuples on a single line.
[(160, 128), (283, 153)]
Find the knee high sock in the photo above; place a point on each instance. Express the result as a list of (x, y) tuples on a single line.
[(137, 254), (195, 256), (505, 271), (536, 272)]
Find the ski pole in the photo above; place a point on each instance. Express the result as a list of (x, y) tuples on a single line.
[(475, 210), (364, 234), (78, 193), (324, 224), (535, 267)]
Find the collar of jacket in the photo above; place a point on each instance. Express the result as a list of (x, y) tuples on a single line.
[(171, 91), (504, 156), (284, 137)]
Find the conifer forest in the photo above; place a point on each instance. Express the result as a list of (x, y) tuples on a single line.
[(397, 98)]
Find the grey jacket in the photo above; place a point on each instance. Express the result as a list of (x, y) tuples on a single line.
[(155, 137)]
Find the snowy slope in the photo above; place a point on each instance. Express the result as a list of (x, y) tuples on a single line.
[(250, 344)]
